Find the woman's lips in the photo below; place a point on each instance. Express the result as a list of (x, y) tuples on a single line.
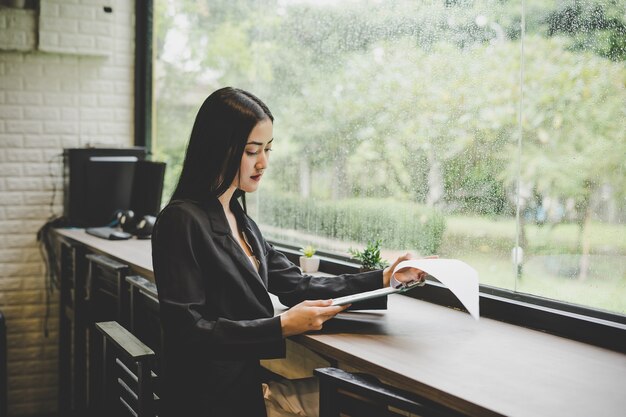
[(256, 177)]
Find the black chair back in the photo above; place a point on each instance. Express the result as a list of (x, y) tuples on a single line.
[(107, 300), (127, 383), (145, 322), (358, 395), (107, 289)]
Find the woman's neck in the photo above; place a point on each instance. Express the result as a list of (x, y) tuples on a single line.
[(226, 197)]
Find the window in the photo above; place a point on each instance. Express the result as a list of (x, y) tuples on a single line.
[(439, 127)]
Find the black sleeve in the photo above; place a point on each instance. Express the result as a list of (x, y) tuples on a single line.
[(291, 287), (181, 260)]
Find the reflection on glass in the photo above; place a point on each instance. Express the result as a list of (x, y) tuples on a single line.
[(438, 127)]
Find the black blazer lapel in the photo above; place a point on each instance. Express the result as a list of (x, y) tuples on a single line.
[(224, 237), (255, 242)]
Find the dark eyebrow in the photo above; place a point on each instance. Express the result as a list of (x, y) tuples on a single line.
[(259, 143)]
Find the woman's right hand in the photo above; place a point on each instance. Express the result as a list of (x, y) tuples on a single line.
[(308, 315)]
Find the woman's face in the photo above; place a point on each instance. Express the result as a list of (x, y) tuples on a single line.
[(255, 159)]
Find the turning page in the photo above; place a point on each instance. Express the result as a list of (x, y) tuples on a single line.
[(459, 277)]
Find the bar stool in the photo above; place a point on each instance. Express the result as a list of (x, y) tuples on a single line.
[(107, 298), (358, 395), (126, 386), (107, 289), (145, 321)]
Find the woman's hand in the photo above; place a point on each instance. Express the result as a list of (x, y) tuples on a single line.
[(405, 274), (308, 315)]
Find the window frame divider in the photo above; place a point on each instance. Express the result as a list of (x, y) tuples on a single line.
[(144, 22)]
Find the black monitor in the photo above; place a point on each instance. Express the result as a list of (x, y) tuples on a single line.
[(108, 188), (147, 188), (98, 181)]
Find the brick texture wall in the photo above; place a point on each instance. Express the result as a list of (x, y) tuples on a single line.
[(48, 101), (18, 29), (85, 28)]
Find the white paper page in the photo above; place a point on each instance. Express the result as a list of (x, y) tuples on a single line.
[(458, 276)]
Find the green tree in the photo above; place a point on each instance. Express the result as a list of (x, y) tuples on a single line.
[(573, 135)]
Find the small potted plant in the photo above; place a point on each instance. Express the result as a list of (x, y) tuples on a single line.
[(370, 256), (308, 261)]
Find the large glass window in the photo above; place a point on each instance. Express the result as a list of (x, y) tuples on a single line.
[(490, 131)]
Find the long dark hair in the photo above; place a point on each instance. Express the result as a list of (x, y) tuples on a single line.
[(217, 142)]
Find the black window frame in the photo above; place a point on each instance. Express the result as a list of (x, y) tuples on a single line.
[(144, 13), (576, 322), (593, 326)]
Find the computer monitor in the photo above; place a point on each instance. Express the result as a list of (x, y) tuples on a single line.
[(147, 188), (108, 186), (99, 181)]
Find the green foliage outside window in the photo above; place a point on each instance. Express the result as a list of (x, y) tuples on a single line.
[(429, 125), (397, 224)]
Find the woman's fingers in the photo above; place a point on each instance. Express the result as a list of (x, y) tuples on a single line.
[(313, 303), (332, 311), (322, 314), (308, 315), (409, 274), (407, 256)]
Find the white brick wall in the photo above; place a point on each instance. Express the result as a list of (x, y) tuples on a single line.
[(49, 101), (17, 29), (83, 27)]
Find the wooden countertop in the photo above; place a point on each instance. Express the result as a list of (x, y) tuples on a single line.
[(480, 368), (134, 252)]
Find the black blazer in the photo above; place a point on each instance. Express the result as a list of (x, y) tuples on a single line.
[(216, 313)]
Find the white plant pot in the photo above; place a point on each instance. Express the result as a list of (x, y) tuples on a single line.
[(309, 264)]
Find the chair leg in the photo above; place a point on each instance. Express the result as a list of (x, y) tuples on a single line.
[(80, 367), (108, 388), (96, 368), (65, 358), (145, 390), (328, 401)]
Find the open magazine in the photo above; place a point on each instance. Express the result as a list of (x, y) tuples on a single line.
[(457, 276)]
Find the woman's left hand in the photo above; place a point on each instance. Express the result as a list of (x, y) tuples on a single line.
[(406, 274)]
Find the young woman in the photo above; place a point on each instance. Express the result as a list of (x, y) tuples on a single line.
[(214, 270)]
